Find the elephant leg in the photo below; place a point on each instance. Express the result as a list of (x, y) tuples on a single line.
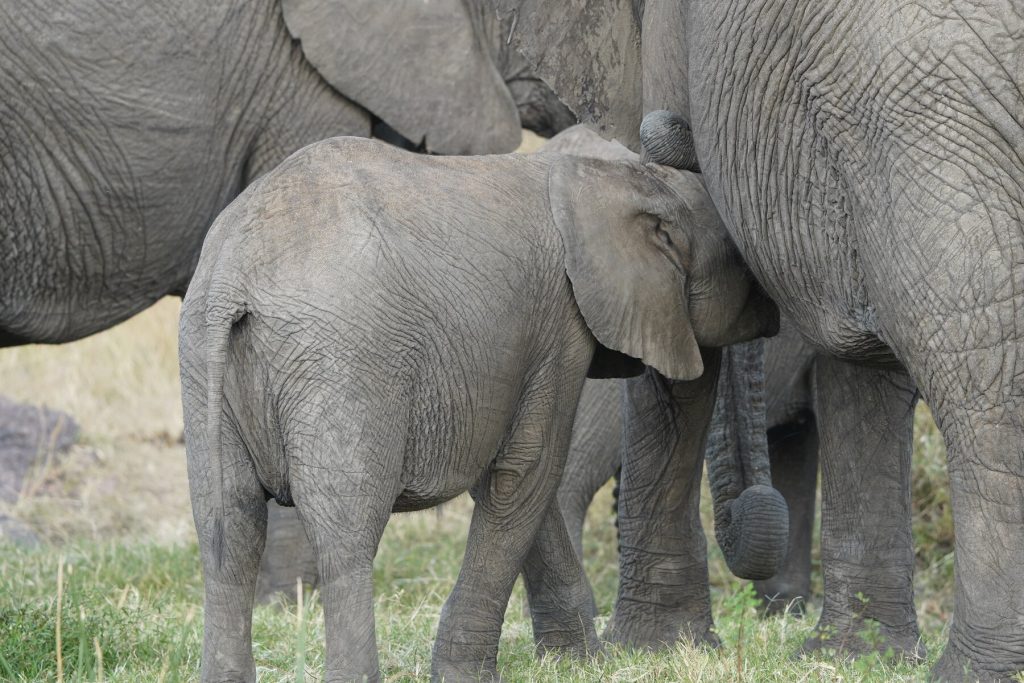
[(593, 454), (515, 505), (663, 571), (561, 601), (593, 459), (229, 584), (865, 422), (793, 452), (984, 437), (288, 555), (344, 502)]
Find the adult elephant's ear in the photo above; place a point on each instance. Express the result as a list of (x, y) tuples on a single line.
[(589, 53), (425, 68), (628, 283)]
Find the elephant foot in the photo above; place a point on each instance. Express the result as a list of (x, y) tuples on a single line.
[(464, 655), (865, 636), (566, 629), (569, 652), (955, 666), (660, 629), (331, 677), (459, 672), (577, 643)]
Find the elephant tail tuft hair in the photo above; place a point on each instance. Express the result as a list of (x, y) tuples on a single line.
[(221, 315)]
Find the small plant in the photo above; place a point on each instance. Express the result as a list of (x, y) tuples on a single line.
[(741, 607)]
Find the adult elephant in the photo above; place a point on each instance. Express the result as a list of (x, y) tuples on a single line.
[(127, 128), (806, 402), (867, 159)]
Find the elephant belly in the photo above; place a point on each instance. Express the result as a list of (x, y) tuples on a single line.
[(790, 207), (452, 444), (859, 182)]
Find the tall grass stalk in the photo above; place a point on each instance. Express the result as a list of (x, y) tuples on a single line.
[(300, 639), (80, 664), (60, 600), (99, 659)]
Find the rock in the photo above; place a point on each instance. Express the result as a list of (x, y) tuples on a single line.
[(17, 533), (29, 435)]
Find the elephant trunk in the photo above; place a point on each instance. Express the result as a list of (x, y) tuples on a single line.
[(751, 518), (668, 140)]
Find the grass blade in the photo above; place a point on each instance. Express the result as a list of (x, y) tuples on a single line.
[(300, 644), (99, 660), (60, 600)]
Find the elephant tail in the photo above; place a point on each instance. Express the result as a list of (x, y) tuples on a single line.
[(751, 517), (220, 318)]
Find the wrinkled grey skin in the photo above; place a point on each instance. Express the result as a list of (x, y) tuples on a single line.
[(866, 158), (370, 330), (757, 548), (868, 427), (123, 138)]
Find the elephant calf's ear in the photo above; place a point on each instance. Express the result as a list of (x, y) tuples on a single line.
[(631, 295)]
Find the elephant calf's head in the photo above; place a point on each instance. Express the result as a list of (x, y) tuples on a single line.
[(653, 270)]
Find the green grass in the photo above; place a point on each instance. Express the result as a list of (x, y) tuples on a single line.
[(141, 607), (131, 608)]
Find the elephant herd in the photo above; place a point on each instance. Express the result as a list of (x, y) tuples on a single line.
[(368, 329)]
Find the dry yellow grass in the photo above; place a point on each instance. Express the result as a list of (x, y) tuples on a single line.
[(126, 478)]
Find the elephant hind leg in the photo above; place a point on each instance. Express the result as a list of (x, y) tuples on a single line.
[(865, 420), (985, 454), (343, 493), (230, 585)]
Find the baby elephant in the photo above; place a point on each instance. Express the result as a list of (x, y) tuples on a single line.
[(372, 331)]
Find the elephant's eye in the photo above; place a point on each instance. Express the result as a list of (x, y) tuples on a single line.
[(678, 252), (662, 234)]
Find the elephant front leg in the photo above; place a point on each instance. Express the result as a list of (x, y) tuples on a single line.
[(561, 601), (663, 573), (866, 426), (593, 454), (507, 517), (793, 451), (288, 555), (516, 506)]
